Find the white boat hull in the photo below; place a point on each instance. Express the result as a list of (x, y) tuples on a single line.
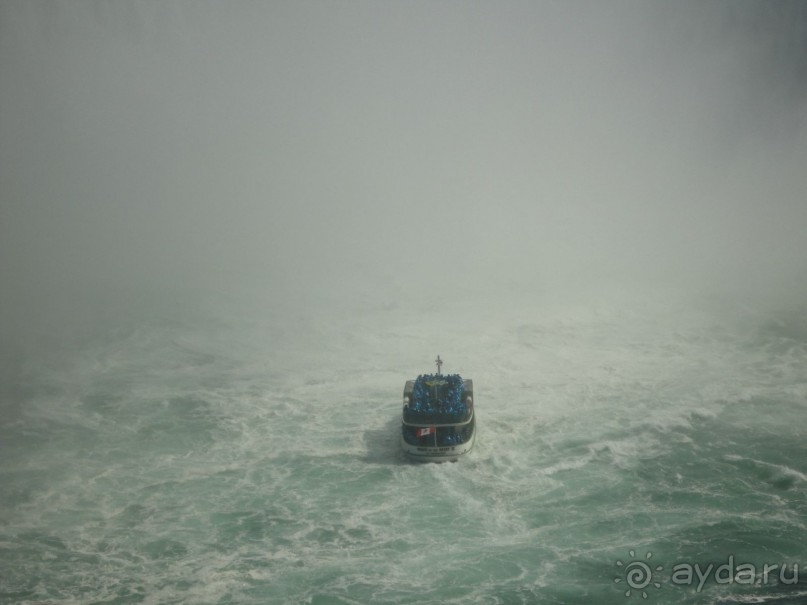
[(441, 453)]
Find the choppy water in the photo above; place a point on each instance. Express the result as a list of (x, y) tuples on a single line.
[(249, 455)]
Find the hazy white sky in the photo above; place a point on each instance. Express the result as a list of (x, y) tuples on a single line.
[(388, 145)]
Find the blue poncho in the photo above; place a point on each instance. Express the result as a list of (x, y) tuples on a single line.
[(437, 399)]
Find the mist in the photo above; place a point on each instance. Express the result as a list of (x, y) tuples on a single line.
[(153, 154), (230, 232)]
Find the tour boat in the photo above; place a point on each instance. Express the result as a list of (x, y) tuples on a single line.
[(438, 421)]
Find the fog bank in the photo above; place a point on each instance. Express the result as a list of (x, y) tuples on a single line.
[(153, 153)]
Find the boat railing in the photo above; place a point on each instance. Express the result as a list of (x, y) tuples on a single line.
[(437, 425)]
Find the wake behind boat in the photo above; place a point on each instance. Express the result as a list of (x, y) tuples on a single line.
[(438, 422)]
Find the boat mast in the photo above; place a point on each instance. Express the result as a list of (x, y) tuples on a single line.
[(439, 363)]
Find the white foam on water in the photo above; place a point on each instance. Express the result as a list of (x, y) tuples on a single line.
[(261, 464), (778, 468)]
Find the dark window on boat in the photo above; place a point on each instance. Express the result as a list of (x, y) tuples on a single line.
[(446, 435)]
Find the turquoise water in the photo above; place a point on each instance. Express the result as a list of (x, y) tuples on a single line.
[(245, 454)]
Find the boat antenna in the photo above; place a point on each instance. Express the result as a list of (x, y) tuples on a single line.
[(439, 363)]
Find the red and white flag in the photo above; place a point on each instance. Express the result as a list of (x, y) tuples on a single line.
[(426, 431)]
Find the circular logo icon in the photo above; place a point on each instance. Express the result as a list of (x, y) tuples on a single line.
[(638, 575)]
